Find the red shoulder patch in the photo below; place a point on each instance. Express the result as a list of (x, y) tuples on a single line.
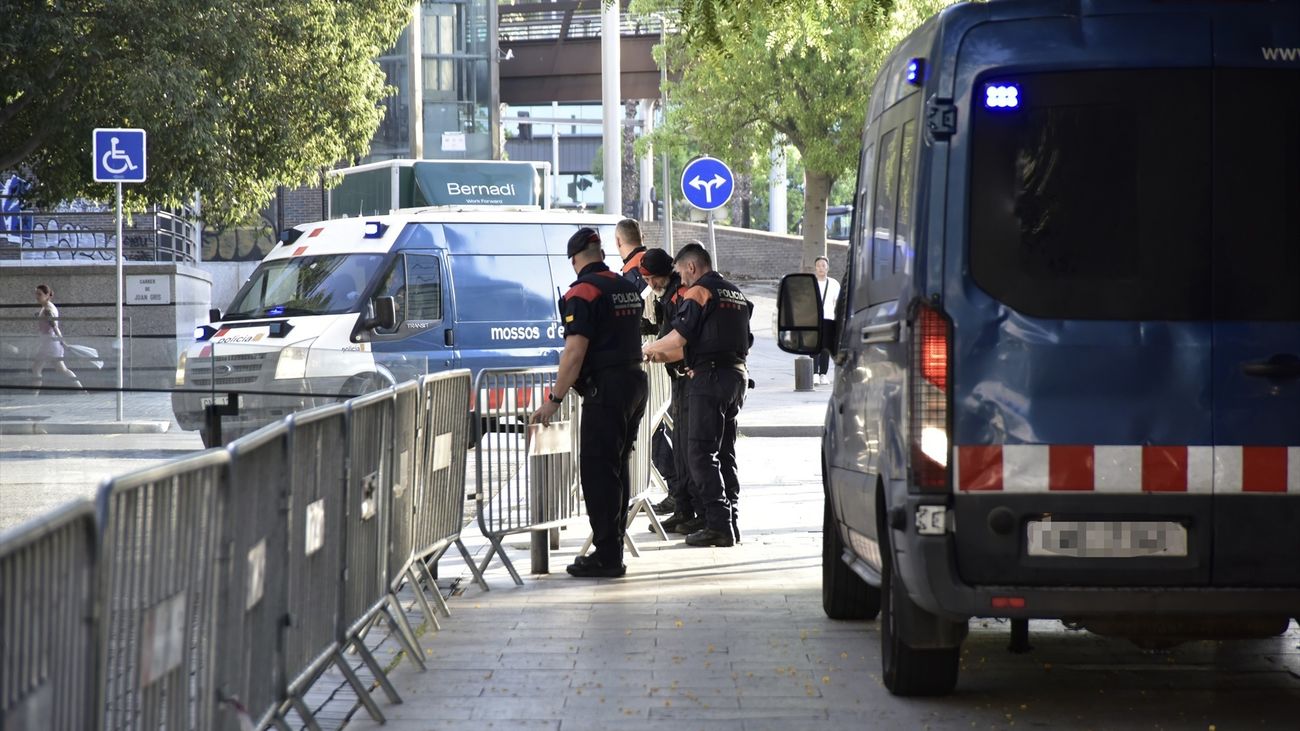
[(698, 295), (634, 262), (584, 291), (607, 274)]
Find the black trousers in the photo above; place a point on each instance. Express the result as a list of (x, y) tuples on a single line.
[(685, 493), (661, 456), (823, 364), (610, 417), (715, 396)]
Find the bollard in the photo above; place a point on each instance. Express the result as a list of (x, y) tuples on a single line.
[(803, 373)]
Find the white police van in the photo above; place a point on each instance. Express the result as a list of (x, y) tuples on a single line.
[(347, 306)]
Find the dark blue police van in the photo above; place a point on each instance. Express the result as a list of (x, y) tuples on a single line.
[(1068, 363)]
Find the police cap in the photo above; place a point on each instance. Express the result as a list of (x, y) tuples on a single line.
[(586, 236)]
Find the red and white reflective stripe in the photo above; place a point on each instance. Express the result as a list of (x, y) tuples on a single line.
[(1036, 468)]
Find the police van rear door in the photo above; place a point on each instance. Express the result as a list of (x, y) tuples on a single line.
[(1082, 339), (1256, 256)]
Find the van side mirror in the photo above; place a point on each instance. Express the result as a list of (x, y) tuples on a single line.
[(799, 315), (385, 314), (214, 315)]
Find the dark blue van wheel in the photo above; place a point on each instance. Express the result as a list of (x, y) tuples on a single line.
[(844, 594), (909, 671)]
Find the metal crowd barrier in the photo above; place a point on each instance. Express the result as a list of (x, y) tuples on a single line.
[(527, 475), (221, 585), (47, 629), (428, 506), (161, 544)]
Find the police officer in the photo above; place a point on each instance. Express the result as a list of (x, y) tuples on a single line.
[(601, 361), (711, 331), (627, 235), (670, 445)]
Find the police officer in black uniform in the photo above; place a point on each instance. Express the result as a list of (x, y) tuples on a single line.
[(711, 330), (670, 452), (602, 362)]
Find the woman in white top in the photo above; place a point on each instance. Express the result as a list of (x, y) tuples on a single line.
[(49, 351), (830, 292)]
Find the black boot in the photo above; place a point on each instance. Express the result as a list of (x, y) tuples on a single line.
[(670, 524), (710, 537), (688, 527), (667, 506)]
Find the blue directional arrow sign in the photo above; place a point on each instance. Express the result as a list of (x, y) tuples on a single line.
[(707, 183), (118, 155)]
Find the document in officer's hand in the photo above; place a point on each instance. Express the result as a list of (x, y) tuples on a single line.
[(556, 438)]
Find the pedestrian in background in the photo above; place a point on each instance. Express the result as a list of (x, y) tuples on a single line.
[(601, 360), (49, 350), (711, 333), (669, 447), (829, 291)]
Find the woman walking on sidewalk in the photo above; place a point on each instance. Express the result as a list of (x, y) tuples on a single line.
[(50, 350)]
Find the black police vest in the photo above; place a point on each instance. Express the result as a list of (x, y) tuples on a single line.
[(618, 341), (724, 338)]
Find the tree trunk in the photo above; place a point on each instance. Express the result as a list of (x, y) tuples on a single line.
[(817, 188)]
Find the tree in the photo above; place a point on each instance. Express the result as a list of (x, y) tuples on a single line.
[(237, 98), (802, 68)]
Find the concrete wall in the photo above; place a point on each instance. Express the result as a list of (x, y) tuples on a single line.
[(85, 295), (227, 278), (747, 253)]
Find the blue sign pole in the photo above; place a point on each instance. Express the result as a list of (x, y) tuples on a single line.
[(707, 184), (118, 156)]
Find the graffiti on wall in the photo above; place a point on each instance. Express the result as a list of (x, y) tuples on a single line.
[(248, 240)]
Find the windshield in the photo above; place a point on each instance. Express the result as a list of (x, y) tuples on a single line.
[(306, 285)]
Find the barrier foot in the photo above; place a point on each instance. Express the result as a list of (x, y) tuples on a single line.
[(631, 545), (473, 567), (433, 589), (587, 545), (358, 687), (299, 706), (498, 549), (539, 551), (414, 581), (380, 676), (643, 505), (405, 635)]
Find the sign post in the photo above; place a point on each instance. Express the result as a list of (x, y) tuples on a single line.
[(707, 184), (118, 156)]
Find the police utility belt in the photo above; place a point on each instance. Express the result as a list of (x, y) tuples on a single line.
[(586, 385)]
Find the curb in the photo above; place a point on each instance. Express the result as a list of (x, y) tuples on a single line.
[(81, 427), (779, 431)]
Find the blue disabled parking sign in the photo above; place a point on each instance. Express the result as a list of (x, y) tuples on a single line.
[(119, 155), (707, 183)]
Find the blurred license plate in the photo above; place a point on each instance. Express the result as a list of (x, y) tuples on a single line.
[(206, 401), (1106, 539)]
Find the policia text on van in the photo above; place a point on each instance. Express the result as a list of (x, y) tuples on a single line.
[(1068, 368)]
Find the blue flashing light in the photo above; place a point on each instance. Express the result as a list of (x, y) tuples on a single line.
[(1002, 96), (375, 230), (915, 71), (275, 311)]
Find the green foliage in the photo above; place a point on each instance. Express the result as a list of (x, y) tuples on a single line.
[(802, 68), (237, 98)]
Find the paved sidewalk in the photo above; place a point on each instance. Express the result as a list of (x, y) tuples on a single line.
[(72, 412)]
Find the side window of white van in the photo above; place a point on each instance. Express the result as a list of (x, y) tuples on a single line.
[(415, 283)]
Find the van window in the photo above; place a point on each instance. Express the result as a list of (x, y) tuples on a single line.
[(305, 285), (1257, 194), (861, 267), (1091, 200), (414, 281), (882, 240), (505, 288), (903, 218)]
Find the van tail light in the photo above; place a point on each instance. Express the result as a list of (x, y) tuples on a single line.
[(524, 397), (496, 399), (930, 399)]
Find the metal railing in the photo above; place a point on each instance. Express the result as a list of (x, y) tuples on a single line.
[(154, 235), (47, 621), (527, 475), (221, 585)]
